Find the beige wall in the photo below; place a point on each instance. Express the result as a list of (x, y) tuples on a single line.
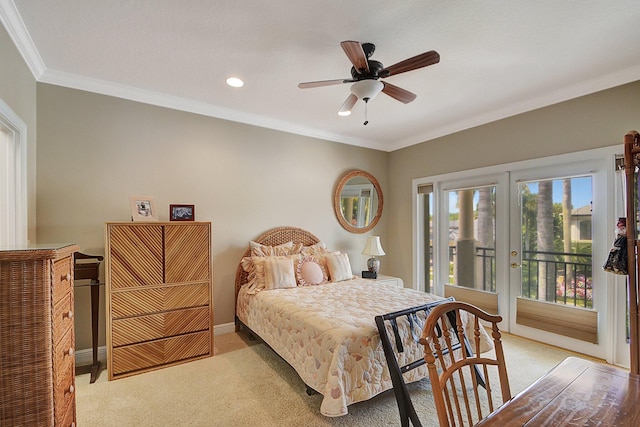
[(18, 91), (597, 120), (95, 150)]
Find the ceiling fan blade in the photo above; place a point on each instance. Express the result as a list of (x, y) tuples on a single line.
[(348, 104), (356, 55), (398, 93), (321, 83), (418, 61)]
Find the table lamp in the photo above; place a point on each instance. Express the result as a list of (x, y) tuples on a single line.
[(373, 248)]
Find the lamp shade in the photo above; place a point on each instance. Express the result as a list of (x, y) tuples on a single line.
[(373, 246)]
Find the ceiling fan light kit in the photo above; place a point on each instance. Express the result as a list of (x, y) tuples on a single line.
[(366, 73), (366, 90)]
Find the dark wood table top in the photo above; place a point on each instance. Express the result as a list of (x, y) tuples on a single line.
[(577, 392)]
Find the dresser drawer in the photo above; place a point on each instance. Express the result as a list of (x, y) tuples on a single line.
[(150, 327), (64, 397), (151, 354), (62, 282), (148, 301), (62, 317), (63, 357), (69, 419)]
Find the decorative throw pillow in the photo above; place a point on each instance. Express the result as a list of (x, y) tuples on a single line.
[(248, 266), (258, 249), (275, 272), (338, 266), (317, 248), (309, 271)]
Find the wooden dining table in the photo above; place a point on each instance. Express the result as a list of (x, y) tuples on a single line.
[(577, 392)]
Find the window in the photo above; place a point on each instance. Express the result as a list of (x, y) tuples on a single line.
[(13, 181)]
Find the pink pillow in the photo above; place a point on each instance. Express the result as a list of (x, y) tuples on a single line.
[(309, 271)]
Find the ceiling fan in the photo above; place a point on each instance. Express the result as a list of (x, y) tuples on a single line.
[(366, 74)]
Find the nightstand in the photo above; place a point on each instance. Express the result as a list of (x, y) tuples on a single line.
[(389, 280)]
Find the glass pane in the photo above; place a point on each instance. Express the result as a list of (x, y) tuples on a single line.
[(556, 240), (355, 204), (472, 237)]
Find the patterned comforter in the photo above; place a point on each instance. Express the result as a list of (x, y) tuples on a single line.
[(327, 333)]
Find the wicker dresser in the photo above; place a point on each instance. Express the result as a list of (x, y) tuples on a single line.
[(159, 304), (37, 360)]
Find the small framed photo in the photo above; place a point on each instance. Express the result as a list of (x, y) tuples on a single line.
[(143, 208), (182, 212)]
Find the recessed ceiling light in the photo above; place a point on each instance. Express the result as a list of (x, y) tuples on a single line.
[(235, 82), (344, 113)]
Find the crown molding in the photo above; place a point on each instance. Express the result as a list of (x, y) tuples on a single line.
[(618, 78), (14, 25), (131, 93)]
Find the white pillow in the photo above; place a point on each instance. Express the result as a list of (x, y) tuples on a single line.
[(338, 266), (275, 272), (309, 271)]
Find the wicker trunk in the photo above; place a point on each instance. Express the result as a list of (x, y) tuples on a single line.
[(37, 360), (159, 309)]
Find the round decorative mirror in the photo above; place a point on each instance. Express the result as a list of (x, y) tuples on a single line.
[(357, 201)]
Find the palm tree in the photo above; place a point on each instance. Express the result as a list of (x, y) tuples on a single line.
[(566, 217), (486, 235), (544, 219)]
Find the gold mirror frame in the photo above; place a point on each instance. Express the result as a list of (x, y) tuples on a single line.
[(336, 201)]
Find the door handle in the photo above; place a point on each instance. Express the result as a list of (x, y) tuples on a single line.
[(515, 265)]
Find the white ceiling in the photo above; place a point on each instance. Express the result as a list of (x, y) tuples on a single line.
[(498, 58)]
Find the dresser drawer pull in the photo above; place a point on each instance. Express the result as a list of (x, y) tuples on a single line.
[(66, 277), (71, 389), (69, 314), (69, 352)]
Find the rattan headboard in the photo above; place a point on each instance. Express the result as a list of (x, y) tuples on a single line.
[(273, 237)]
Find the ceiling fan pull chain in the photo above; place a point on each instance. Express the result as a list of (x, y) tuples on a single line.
[(366, 120)]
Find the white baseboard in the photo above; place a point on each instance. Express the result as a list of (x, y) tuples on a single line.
[(85, 356), (226, 328)]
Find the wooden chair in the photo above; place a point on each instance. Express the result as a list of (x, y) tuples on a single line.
[(458, 398), (400, 333)]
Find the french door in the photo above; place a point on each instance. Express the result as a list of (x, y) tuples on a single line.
[(559, 293), (528, 241)]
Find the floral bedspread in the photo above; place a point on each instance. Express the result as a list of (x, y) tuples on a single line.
[(328, 334)]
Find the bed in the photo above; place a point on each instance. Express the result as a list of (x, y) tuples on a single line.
[(327, 332)]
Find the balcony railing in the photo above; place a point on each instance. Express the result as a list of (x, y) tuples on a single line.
[(568, 275)]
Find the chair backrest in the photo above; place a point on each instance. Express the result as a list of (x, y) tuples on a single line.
[(400, 333), (459, 397)]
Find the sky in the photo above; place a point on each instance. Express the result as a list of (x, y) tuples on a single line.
[(581, 193)]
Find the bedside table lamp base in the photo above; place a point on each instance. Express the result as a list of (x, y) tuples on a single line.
[(373, 248)]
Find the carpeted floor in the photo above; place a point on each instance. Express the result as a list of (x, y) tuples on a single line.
[(246, 384)]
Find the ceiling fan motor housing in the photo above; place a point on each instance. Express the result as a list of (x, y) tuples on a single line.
[(375, 68)]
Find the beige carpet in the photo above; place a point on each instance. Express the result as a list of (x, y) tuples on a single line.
[(246, 384)]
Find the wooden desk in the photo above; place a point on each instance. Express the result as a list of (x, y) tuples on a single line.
[(88, 274), (577, 392)]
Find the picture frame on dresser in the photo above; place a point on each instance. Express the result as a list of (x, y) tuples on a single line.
[(143, 208), (182, 212)]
